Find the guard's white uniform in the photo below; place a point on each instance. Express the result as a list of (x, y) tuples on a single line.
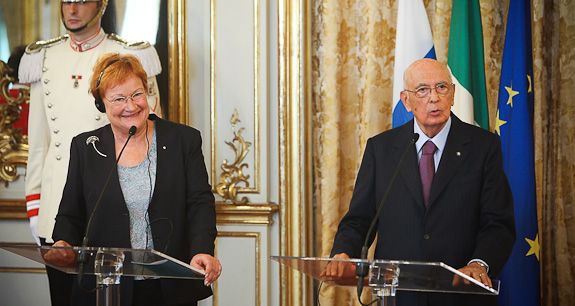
[(61, 107)]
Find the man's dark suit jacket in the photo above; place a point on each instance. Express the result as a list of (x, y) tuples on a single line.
[(469, 215), (181, 212)]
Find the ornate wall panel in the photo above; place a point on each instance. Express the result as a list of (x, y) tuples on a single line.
[(231, 102), (243, 282), (295, 146), (238, 87)]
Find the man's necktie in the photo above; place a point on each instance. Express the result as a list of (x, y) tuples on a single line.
[(427, 168)]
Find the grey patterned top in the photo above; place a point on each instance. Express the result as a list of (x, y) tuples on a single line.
[(138, 184)]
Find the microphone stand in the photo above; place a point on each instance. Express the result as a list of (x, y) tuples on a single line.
[(362, 268), (82, 256)]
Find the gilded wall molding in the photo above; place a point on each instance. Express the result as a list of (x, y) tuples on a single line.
[(232, 173), (239, 211), (178, 63), (13, 145), (22, 270), (13, 209), (257, 251), (256, 92), (253, 214), (295, 185)]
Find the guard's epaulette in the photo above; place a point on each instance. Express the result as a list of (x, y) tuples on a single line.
[(37, 46), (132, 45), (143, 50), (31, 63)]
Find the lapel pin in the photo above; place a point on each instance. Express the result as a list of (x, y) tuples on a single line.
[(92, 140), (458, 154), (164, 147)]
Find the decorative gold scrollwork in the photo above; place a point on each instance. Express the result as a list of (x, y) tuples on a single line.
[(233, 174), (13, 145)]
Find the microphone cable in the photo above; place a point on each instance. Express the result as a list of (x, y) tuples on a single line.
[(150, 191), (82, 256), (362, 268)]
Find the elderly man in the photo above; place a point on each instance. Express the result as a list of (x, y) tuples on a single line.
[(451, 201), (61, 107)]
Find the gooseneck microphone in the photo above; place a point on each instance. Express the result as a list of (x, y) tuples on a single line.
[(362, 268), (82, 257)]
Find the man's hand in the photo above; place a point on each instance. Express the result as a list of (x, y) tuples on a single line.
[(475, 270), (210, 265), (339, 269), (60, 257)]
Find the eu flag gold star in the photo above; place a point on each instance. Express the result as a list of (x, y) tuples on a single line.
[(512, 93), (535, 248), (498, 123)]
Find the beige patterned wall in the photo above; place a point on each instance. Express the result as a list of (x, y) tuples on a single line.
[(352, 72)]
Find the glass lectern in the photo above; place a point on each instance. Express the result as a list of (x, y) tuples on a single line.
[(387, 276), (108, 265)]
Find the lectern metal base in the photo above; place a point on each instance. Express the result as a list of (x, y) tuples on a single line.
[(108, 268), (385, 301), (108, 295), (383, 280)]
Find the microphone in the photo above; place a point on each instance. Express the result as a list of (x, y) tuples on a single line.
[(82, 257), (362, 268)]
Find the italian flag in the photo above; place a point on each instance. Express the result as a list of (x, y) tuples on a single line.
[(465, 59)]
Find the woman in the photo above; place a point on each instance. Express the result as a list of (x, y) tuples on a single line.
[(158, 197)]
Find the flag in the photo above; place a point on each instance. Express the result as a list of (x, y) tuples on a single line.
[(514, 123), (413, 41), (465, 59)]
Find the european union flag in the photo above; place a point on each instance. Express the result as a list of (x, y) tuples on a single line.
[(514, 123)]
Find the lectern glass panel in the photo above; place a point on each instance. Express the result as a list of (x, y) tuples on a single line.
[(402, 275), (143, 263)]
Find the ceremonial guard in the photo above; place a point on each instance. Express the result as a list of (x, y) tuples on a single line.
[(61, 107)]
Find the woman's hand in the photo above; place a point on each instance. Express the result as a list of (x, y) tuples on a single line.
[(60, 257), (210, 265)]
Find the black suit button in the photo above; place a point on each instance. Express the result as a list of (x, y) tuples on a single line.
[(426, 237)]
